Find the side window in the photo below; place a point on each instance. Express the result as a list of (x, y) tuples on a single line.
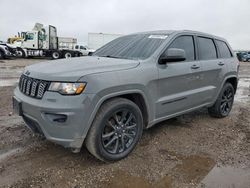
[(77, 47), (30, 36), (206, 48), (187, 44), (82, 48), (224, 50)]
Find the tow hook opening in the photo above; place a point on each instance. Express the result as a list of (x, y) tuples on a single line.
[(59, 118), (75, 150)]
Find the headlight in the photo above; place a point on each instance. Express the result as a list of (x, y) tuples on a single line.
[(67, 88)]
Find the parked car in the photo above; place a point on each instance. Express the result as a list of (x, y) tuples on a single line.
[(84, 50), (106, 100), (6, 50), (246, 57)]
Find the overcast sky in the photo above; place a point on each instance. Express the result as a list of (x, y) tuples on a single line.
[(226, 18)]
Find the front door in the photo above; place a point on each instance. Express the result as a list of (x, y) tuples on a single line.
[(177, 80)]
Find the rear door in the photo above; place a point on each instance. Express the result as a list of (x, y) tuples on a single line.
[(213, 68), (177, 80)]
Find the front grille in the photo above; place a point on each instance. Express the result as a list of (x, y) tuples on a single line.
[(33, 87)]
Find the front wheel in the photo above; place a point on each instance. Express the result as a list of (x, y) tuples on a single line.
[(224, 102), (116, 130), (1, 54), (20, 53)]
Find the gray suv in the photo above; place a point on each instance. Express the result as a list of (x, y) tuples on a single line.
[(104, 101)]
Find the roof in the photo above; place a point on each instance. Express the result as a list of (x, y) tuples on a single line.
[(169, 32)]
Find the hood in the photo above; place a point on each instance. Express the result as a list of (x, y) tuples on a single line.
[(74, 68)]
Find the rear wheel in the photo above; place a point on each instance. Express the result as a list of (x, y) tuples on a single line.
[(55, 55), (116, 130), (224, 103), (67, 55)]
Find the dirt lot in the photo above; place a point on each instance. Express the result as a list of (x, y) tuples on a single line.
[(193, 150)]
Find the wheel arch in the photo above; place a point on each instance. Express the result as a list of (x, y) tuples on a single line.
[(233, 81), (136, 96)]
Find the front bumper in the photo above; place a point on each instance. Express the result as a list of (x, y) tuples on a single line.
[(61, 119)]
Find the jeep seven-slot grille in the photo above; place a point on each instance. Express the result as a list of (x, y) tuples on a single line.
[(33, 87)]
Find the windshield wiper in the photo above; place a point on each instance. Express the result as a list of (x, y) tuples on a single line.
[(109, 56)]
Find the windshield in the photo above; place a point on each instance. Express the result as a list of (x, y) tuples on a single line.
[(137, 46), (29, 36)]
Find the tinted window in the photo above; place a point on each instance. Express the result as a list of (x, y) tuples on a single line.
[(136, 46), (186, 43), (206, 48), (30, 36), (76, 47), (82, 48), (224, 50)]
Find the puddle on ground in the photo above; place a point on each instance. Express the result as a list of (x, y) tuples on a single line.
[(243, 90), (124, 180), (194, 168), (191, 169), (227, 177), (7, 153), (8, 82)]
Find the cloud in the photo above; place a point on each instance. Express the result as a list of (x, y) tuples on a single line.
[(225, 18)]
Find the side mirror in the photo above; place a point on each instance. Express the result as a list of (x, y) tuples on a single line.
[(172, 55)]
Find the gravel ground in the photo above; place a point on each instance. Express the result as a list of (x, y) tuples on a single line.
[(188, 151)]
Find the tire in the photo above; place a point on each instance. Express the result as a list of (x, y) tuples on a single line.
[(67, 55), (55, 55), (20, 53), (77, 54), (2, 56), (224, 102), (125, 131)]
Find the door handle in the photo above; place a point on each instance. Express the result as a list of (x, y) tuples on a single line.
[(195, 66), (221, 63)]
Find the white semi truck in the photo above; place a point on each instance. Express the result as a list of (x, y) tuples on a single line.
[(44, 42)]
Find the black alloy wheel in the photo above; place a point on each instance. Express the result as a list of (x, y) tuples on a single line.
[(116, 130), (119, 131), (227, 100), (224, 102)]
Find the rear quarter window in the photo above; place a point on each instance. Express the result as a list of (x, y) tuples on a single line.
[(206, 48), (223, 49)]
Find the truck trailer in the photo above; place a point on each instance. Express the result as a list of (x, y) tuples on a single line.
[(97, 40)]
